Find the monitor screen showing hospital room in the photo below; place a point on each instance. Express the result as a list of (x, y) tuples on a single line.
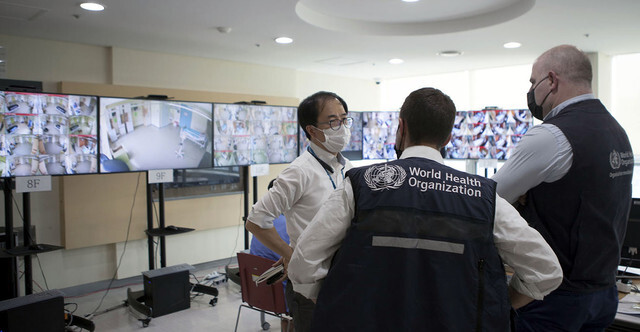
[(141, 135), (254, 134), (488, 133), (353, 150), (47, 134), (379, 135)]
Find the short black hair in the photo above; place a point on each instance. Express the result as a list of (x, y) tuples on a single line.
[(429, 115), (310, 108), (271, 184)]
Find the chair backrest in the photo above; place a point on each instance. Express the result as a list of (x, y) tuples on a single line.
[(261, 296)]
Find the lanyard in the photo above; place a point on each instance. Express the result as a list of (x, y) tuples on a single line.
[(326, 167)]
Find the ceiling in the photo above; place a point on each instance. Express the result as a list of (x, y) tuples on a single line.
[(350, 38)]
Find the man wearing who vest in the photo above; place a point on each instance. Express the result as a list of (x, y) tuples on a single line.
[(419, 246), (575, 170)]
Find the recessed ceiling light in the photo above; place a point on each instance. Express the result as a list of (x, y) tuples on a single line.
[(410, 0), (92, 6), (284, 40), (512, 45), (450, 53), (396, 61)]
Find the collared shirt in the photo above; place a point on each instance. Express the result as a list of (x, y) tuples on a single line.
[(299, 191), (537, 270), (542, 155)]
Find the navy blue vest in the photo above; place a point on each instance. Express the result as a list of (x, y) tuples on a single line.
[(418, 256), (583, 216)]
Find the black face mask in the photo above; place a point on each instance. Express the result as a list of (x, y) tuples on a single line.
[(397, 147), (536, 110)]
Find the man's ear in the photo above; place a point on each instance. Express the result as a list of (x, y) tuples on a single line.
[(553, 80), (446, 142), (312, 132)]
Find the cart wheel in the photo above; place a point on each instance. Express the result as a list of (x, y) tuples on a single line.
[(145, 322), (266, 326), (213, 301)]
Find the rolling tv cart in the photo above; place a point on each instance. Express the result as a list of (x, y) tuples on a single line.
[(164, 288), (12, 251)]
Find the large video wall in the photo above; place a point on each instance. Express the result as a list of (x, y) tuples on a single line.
[(58, 134)]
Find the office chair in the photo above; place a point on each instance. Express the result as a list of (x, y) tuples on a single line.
[(267, 299)]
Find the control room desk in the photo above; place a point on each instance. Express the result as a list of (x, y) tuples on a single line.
[(624, 322)]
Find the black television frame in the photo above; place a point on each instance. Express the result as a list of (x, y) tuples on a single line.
[(234, 149), (118, 167), (632, 237), (96, 125)]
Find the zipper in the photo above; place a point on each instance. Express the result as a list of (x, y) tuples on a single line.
[(480, 305)]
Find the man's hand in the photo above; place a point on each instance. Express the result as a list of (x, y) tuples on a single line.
[(284, 260), (518, 300), (522, 200)]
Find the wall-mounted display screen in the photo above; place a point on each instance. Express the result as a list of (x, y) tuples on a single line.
[(379, 134), (47, 134), (141, 134), (488, 133), (254, 134), (353, 150)]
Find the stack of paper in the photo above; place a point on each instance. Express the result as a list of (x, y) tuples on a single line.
[(271, 275)]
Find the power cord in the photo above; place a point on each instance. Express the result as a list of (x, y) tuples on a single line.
[(124, 249)]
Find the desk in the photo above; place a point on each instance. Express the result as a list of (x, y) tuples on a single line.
[(624, 322)]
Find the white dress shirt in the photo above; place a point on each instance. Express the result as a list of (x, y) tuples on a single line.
[(537, 270), (299, 191), (542, 155)]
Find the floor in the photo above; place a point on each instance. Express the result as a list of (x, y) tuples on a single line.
[(112, 315)]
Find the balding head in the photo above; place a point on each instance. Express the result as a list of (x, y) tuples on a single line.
[(569, 62)]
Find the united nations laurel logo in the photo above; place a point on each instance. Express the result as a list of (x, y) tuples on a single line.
[(382, 177), (614, 159)]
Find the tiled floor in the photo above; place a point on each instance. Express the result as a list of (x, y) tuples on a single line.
[(112, 315)]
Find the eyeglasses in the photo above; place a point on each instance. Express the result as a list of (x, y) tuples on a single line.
[(336, 123)]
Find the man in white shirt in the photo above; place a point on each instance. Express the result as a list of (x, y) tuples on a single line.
[(419, 245), (300, 189)]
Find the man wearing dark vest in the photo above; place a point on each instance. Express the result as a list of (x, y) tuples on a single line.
[(419, 246), (571, 178)]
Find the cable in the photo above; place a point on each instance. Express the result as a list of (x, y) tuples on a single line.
[(71, 303), (156, 257), (42, 271), (124, 249), (28, 232), (235, 246)]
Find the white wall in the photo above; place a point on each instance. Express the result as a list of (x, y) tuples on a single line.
[(625, 93), (504, 87)]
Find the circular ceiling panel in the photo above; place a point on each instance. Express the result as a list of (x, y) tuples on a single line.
[(397, 18)]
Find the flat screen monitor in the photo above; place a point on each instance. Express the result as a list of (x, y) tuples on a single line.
[(635, 182), (630, 255), (353, 150), (143, 134), (488, 133), (48, 134), (379, 135), (254, 134)]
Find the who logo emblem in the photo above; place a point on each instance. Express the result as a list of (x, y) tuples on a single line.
[(383, 177)]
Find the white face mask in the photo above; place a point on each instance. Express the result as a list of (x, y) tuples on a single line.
[(336, 140)]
